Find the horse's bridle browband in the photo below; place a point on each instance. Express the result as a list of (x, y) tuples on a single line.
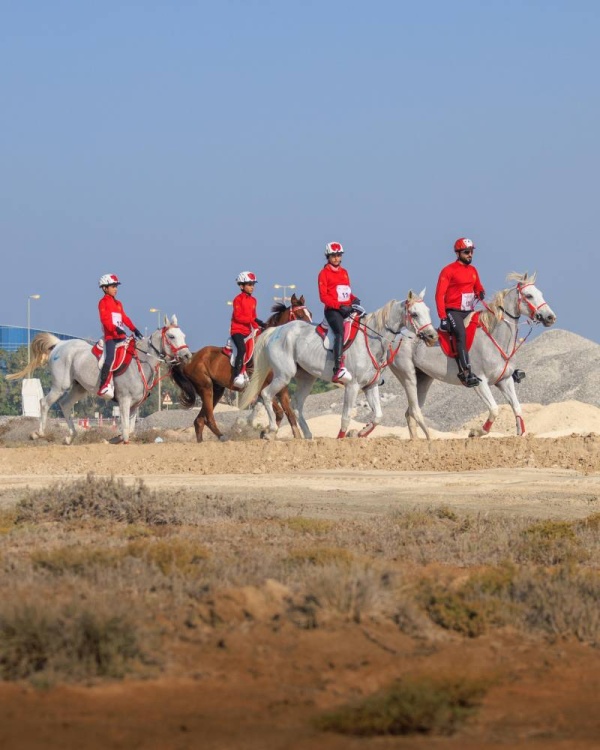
[(294, 309)]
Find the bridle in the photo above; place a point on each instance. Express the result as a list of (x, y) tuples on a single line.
[(166, 356), (533, 310), (295, 309)]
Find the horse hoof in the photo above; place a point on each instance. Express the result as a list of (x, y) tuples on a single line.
[(68, 440), (116, 440), (34, 436), (265, 435), (223, 438), (473, 433), (366, 430)]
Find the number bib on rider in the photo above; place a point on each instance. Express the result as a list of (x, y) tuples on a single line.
[(468, 301), (344, 293)]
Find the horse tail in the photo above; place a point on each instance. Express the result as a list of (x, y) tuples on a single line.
[(41, 346), (187, 396), (262, 367)]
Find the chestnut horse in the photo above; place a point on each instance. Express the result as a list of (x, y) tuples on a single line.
[(209, 373)]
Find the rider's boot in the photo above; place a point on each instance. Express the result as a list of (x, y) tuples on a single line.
[(239, 381), (107, 389), (340, 374), (465, 375)]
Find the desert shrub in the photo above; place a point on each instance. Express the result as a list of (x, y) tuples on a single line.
[(95, 435), (76, 559), (591, 523), (350, 590), (320, 556), (481, 601), (550, 543), (170, 555), (410, 706), (303, 525), (562, 601), (92, 498), (71, 641), (8, 518)]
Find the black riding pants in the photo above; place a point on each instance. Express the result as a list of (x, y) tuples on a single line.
[(336, 324), (240, 352), (109, 356), (456, 319)]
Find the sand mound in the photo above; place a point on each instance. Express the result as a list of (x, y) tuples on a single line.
[(551, 420)]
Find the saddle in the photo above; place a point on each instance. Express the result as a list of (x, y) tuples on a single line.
[(448, 342), (351, 328), (229, 348), (123, 354)]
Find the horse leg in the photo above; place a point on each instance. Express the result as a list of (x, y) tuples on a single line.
[(424, 382), (45, 403), (414, 417), (125, 412), (66, 402), (350, 394), (485, 394), (210, 395), (374, 401), (278, 411), (286, 405), (304, 383), (268, 394), (507, 388)]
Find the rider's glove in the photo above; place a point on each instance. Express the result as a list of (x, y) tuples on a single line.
[(358, 309), (445, 325), (261, 325), (481, 295), (345, 310), (356, 301), (137, 333)]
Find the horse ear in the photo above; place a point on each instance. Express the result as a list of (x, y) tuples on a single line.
[(410, 294), (166, 320), (301, 300), (174, 320), (422, 292)]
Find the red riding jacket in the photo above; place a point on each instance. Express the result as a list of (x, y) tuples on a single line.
[(458, 287), (112, 318), (334, 287), (243, 318)]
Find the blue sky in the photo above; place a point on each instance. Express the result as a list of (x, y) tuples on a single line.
[(176, 144)]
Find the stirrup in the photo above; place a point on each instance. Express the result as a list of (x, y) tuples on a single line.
[(469, 379), (519, 375), (106, 392)]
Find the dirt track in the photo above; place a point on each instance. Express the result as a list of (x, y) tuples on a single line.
[(545, 477)]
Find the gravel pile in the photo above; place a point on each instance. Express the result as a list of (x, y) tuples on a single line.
[(560, 366)]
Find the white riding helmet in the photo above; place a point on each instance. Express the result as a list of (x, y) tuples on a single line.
[(333, 247), (246, 277), (107, 279)]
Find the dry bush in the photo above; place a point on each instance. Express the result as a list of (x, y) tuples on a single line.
[(170, 555), (78, 640), (19, 430), (351, 591), (95, 435), (303, 525), (550, 543), (319, 556), (76, 559), (413, 705)]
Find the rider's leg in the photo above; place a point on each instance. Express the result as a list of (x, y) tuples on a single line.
[(240, 351), (336, 324), (457, 327), (109, 356)]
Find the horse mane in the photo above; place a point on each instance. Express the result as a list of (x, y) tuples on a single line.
[(278, 308), (493, 315), (379, 318)]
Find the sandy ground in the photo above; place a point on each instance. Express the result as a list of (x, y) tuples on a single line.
[(539, 477)]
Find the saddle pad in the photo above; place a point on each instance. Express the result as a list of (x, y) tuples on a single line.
[(229, 349), (351, 326), (448, 343), (123, 353)]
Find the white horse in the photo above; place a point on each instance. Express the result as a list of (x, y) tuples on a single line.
[(492, 355), (295, 349), (74, 371)]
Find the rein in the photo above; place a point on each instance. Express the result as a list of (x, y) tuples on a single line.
[(160, 356)]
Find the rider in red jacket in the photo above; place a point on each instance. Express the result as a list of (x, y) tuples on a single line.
[(113, 320), (243, 322), (335, 293), (457, 290)]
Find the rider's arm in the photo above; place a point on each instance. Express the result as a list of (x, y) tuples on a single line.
[(244, 311), (326, 293), (478, 287), (105, 308), (440, 293)]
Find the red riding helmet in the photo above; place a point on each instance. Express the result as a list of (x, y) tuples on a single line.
[(333, 248), (463, 243)]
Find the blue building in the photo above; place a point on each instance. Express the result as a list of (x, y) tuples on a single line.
[(15, 337)]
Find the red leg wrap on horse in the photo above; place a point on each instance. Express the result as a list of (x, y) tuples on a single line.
[(520, 426), (487, 426), (341, 434)]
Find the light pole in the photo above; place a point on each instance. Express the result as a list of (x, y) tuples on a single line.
[(284, 296), (157, 311), (31, 296)]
